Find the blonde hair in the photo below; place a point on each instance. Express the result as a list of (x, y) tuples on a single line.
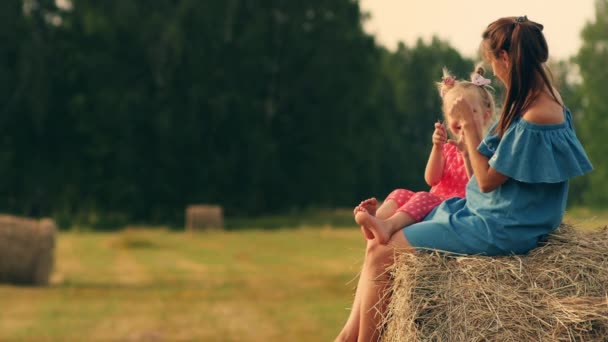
[(450, 87)]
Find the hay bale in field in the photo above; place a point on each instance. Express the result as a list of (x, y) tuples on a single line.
[(26, 250), (558, 292), (199, 217)]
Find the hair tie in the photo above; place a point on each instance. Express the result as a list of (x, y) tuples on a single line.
[(448, 81), (479, 80), (521, 19)]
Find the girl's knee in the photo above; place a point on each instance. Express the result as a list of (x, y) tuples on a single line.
[(377, 253), (400, 196), (400, 244)]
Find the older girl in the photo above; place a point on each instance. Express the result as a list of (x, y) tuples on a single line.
[(519, 189)]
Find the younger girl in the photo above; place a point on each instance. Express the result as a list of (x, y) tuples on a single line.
[(447, 171)]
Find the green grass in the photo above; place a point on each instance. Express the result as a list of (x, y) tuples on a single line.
[(237, 285), (586, 219), (159, 285)]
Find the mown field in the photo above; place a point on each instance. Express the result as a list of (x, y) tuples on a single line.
[(159, 285)]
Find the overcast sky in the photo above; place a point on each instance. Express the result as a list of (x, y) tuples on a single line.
[(461, 22)]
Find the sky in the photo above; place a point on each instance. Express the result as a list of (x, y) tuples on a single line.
[(461, 22)]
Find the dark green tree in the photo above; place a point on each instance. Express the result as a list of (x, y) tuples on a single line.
[(592, 123), (122, 111)]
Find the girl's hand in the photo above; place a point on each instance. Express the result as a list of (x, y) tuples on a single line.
[(460, 143), (465, 114), (440, 136)]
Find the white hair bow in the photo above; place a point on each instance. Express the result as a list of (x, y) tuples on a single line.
[(479, 80)]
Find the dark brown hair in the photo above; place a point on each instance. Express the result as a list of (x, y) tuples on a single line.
[(525, 44)]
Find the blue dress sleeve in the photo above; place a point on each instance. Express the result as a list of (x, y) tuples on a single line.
[(533, 153), (488, 145)]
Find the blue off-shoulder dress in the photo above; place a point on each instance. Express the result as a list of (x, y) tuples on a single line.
[(512, 219)]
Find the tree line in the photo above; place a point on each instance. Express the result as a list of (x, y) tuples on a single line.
[(127, 111)]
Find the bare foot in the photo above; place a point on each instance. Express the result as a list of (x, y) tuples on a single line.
[(370, 205), (360, 214), (373, 227)]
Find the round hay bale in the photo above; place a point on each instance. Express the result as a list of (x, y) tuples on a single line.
[(199, 217), (558, 292), (26, 250)]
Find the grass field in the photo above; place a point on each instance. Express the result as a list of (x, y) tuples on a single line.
[(584, 218), (159, 285)]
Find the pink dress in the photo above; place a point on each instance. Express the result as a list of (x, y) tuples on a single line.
[(452, 184)]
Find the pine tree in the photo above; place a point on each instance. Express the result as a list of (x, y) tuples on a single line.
[(593, 125)]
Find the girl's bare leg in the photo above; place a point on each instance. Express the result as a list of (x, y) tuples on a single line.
[(350, 332), (365, 314), (373, 295), (387, 209)]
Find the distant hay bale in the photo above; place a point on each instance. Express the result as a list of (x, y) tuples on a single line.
[(26, 250), (199, 217), (558, 292)]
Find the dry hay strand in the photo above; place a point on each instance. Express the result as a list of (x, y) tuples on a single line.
[(26, 250), (558, 292), (204, 216)]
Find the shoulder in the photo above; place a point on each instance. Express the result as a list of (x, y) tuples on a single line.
[(545, 112)]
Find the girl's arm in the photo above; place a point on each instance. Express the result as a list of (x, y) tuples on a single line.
[(487, 177), (436, 162), (467, 164)]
